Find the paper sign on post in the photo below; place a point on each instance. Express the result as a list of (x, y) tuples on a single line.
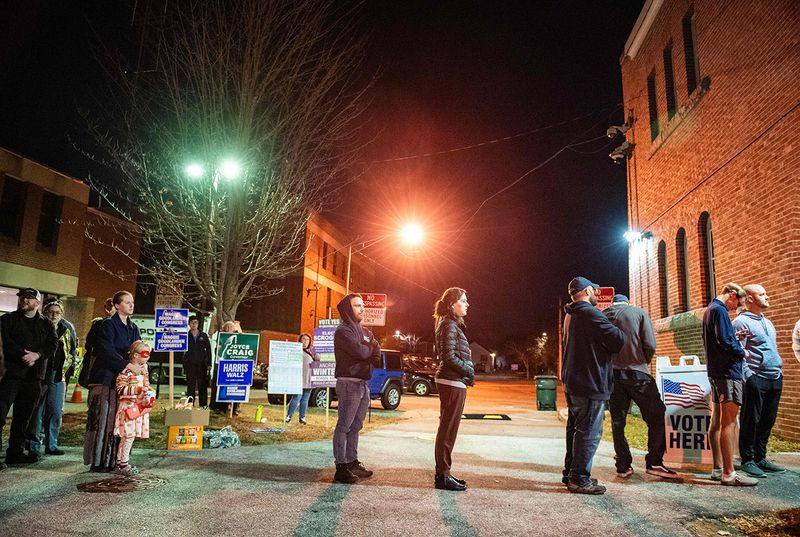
[(285, 367)]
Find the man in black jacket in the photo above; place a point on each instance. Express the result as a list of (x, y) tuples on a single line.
[(197, 362), (589, 341), (632, 382), (29, 342), (356, 349)]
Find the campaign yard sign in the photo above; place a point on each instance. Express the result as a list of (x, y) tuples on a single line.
[(233, 394), (171, 329), (323, 374), (171, 341), (235, 373), (323, 343), (172, 318), (686, 393), (237, 346), (374, 309), (285, 367)]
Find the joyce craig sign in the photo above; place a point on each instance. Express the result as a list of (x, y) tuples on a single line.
[(236, 346), (285, 367), (237, 349)]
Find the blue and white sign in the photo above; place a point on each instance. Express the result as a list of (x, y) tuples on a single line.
[(235, 373), (171, 341), (174, 318), (233, 394)]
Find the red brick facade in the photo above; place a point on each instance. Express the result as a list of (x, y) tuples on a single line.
[(728, 154)]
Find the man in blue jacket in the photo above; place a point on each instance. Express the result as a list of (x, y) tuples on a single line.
[(724, 357), (590, 340), (356, 349), (763, 383)]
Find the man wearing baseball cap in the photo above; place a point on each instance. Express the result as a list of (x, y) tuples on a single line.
[(29, 341), (589, 342)]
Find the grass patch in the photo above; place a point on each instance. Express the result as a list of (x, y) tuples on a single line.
[(636, 434), (783, 523), (74, 426)]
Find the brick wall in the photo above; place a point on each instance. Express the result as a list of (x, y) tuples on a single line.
[(730, 151)]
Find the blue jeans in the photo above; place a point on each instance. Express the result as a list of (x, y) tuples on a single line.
[(45, 424), (353, 403), (584, 430), (302, 401)]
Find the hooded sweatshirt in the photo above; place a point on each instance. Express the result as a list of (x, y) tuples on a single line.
[(641, 340), (590, 340), (761, 348), (354, 346)]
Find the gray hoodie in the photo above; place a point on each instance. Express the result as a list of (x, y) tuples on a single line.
[(761, 348), (640, 345)]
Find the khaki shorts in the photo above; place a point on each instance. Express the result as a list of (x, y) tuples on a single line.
[(725, 390)]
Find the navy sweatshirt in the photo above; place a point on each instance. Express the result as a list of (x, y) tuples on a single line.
[(590, 343), (724, 354)]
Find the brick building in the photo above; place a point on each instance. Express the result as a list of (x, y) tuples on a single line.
[(313, 291), (43, 221), (714, 174)]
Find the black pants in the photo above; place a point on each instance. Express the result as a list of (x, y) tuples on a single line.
[(759, 410), (23, 395), (197, 381), (451, 406), (645, 394)]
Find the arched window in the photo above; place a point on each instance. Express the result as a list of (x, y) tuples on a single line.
[(681, 258), (663, 289), (706, 240)]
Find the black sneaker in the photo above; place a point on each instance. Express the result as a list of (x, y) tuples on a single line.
[(21, 458), (344, 475), (770, 467), (359, 470), (54, 451), (589, 488), (565, 480), (662, 471)]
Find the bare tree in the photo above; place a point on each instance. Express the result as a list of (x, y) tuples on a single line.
[(532, 353), (258, 95)]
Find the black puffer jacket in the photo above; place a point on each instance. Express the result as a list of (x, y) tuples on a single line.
[(452, 348)]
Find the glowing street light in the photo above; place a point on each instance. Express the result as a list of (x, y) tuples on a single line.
[(195, 171), (412, 234), (230, 169)]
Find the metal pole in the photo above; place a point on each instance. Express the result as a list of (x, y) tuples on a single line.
[(171, 379), (349, 260)]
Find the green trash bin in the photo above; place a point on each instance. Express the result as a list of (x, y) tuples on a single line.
[(545, 392)]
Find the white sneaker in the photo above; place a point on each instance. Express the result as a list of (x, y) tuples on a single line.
[(716, 474), (738, 480)]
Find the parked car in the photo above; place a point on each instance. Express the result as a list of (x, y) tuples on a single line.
[(386, 384), (419, 376)]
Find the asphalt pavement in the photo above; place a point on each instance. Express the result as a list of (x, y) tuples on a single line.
[(513, 468)]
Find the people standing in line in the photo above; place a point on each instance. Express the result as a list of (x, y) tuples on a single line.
[(45, 426), (116, 335), (724, 359), (90, 341), (197, 362), (763, 383), (29, 343), (301, 400), (633, 382), (135, 401), (356, 350), (590, 340), (456, 371)]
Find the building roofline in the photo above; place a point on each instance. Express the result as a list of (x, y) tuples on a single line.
[(641, 28)]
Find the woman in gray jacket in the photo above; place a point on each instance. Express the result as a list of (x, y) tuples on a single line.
[(455, 373)]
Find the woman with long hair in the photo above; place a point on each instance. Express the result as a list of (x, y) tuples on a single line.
[(455, 373), (301, 400)]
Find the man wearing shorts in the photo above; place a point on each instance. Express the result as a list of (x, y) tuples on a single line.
[(724, 359)]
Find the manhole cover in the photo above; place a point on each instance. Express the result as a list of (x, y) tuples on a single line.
[(123, 484)]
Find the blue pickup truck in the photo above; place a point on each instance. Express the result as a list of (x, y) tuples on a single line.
[(386, 384)]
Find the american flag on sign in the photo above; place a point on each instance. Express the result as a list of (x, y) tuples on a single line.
[(684, 394)]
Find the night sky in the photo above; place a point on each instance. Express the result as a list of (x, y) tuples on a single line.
[(449, 75)]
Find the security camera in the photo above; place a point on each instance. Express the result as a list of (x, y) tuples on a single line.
[(622, 152)]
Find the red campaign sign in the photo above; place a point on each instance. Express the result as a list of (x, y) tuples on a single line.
[(605, 297), (372, 300)]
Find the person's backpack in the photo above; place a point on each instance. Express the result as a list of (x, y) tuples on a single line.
[(88, 355)]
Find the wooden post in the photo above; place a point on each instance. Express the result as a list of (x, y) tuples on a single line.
[(171, 379)]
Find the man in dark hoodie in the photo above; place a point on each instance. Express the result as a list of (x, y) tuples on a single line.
[(632, 382), (589, 342), (356, 349)]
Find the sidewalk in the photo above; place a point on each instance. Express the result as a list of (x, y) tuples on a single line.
[(513, 468)]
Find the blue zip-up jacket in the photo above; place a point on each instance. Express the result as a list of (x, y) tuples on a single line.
[(761, 349), (111, 351), (589, 347), (724, 354)]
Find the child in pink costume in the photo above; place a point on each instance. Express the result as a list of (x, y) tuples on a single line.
[(136, 399)]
